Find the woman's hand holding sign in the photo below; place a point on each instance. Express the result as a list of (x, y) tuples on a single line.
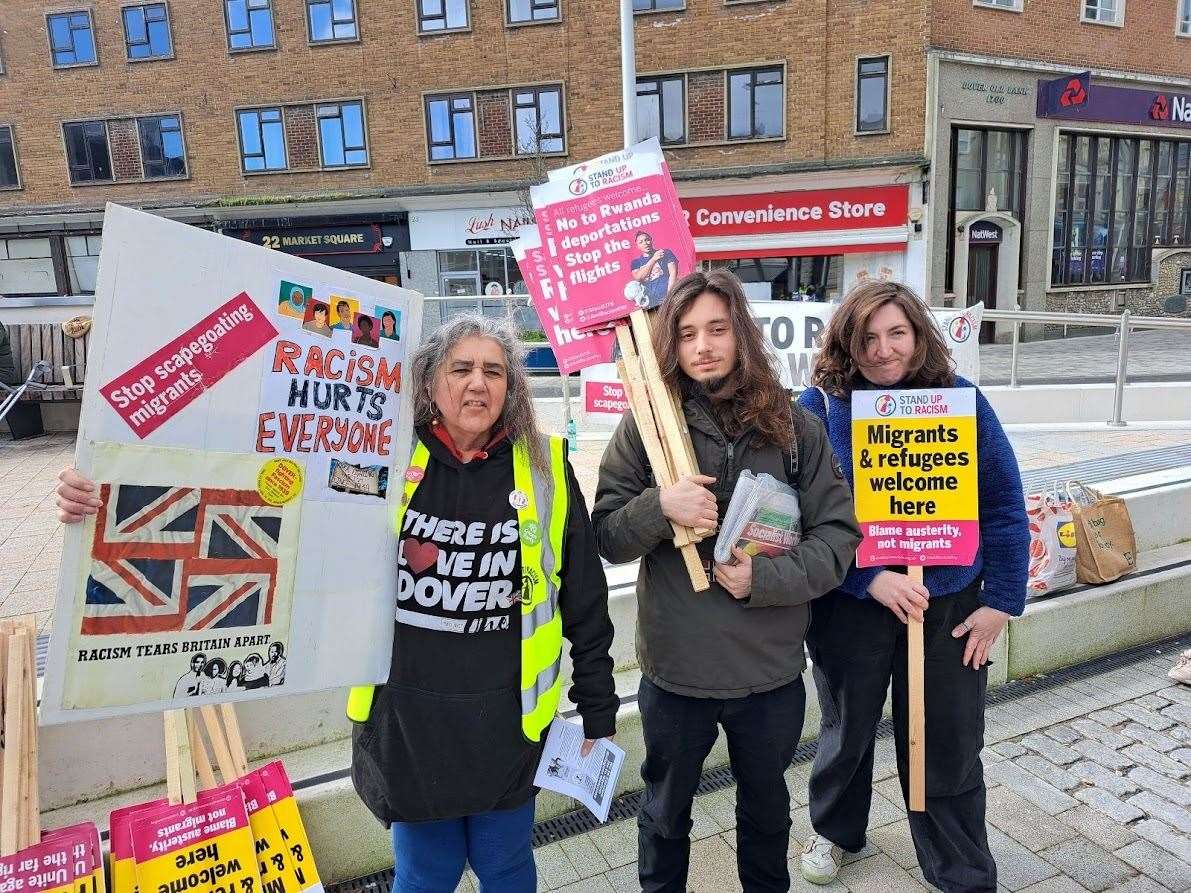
[(983, 628), (76, 496), (900, 594)]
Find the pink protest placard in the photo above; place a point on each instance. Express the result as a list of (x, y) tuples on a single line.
[(613, 237), (573, 350), (154, 390), (53, 865)]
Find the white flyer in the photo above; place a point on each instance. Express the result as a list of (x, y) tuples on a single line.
[(589, 779)]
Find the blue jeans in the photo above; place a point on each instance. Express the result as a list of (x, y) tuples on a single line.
[(430, 856)]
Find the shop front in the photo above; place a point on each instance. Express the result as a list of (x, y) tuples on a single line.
[(464, 252), (369, 247), (807, 244), (1060, 188)]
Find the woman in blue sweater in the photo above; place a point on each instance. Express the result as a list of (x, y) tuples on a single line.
[(882, 336)]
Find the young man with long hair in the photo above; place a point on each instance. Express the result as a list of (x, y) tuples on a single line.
[(732, 656)]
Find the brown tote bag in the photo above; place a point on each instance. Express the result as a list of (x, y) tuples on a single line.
[(1105, 546)]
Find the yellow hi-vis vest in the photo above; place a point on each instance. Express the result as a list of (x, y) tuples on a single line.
[(541, 563)]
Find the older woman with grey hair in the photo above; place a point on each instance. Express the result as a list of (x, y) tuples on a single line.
[(497, 563)]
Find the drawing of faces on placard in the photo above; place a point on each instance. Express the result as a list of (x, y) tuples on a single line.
[(364, 330), (293, 300), (390, 322), (317, 318), (343, 312)]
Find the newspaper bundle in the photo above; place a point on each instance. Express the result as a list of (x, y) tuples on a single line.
[(763, 518)]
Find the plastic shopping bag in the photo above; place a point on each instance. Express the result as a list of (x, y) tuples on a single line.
[(1052, 542)]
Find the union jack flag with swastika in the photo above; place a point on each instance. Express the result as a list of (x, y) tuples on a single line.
[(166, 559)]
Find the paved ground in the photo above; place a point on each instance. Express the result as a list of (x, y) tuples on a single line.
[(1155, 354), (1088, 790), (31, 538)]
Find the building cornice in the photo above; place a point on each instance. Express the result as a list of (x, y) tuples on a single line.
[(1054, 68)]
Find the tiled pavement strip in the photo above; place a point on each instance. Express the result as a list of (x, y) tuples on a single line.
[(1090, 782)]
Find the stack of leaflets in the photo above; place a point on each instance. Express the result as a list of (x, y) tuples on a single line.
[(763, 518)]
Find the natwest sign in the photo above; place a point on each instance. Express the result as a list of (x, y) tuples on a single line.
[(1075, 98), (465, 228), (861, 207)]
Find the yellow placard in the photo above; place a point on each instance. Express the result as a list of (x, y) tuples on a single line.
[(915, 469), (222, 864)]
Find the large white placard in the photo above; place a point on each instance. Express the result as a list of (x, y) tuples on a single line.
[(243, 413)]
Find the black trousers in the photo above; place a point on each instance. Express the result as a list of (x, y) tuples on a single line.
[(762, 731), (857, 646)]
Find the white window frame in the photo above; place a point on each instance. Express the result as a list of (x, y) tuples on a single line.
[(1182, 21), (1118, 23), (1015, 5)]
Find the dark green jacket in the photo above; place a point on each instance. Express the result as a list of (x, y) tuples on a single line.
[(8, 369), (709, 644)]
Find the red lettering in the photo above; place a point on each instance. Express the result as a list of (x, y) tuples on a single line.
[(307, 435), (388, 379), (369, 438), (290, 427), (324, 428), (364, 366), (284, 355), (356, 438), (384, 438), (314, 362), (264, 433), (341, 431), (333, 355)]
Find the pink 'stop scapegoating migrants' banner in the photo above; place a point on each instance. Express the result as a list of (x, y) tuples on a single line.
[(915, 476)]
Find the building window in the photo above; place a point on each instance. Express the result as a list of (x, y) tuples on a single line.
[(442, 15), (872, 95), (10, 176), (984, 159), (72, 39), (661, 107), (331, 20), (657, 5), (469, 274), (341, 138), (537, 115), (523, 11), (249, 24), (451, 126), (27, 267), (815, 278), (82, 262), (1012, 5), (1115, 199), (162, 151), (87, 155), (147, 32), (756, 104), (1104, 12), (1184, 26), (262, 140)]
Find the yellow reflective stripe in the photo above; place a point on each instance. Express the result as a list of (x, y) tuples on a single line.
[(558, 511), (418, 460)]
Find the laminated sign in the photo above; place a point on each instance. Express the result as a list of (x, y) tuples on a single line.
[(915, 476), (205, 847), (68, 860)]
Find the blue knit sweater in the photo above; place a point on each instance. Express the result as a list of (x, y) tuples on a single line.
[(1004, 536)]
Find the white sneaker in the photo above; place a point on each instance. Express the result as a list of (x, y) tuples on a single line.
[(1181, 671), (821, 860)]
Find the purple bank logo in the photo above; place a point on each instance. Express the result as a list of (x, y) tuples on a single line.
[(886, 405)]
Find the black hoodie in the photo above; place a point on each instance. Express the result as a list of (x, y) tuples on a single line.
[(444, 738)]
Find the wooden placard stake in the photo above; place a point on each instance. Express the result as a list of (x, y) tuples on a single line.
[(223, 753), (202, 760), (179, 759), (235, 740), (31, 794), (13, 810), (915, 683)]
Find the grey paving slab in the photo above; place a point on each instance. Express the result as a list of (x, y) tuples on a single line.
[(895, 841), (1062, 734), (1097, 731), (713, 867), (878, 874), (1162, 785), (1008, 749), (1163, 810), (1179, 693), (1178, 713), (1183, 755), (1049, 772), (1095, 774), (554, 867), (1178, 845), (1140, 884), (882, 811), (585, 857), (1147, 756), (1045, 796), (1089, 865), (1154, 862), (1107, 717), (1017, 867), (1103, 754), (1044, 745), (624, 879), (1150, 738), (1111, 806), (1095, 825), (1030, 826), (597, 884), (617, 842), (1145, 716), (1058, 884)]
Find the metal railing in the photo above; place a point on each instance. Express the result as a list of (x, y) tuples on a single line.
[(1124, 324)]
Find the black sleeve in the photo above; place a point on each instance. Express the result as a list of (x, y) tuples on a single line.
[(628, 509), (583, 600)]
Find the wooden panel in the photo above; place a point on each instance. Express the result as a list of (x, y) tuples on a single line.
[(46, 341)]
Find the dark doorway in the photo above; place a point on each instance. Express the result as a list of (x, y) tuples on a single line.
[(982, 283)]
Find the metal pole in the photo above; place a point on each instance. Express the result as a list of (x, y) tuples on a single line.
[(1013, 356), (628, 72), (1118, 398)]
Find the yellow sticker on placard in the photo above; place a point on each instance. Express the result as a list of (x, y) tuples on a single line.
[(280, 481)]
